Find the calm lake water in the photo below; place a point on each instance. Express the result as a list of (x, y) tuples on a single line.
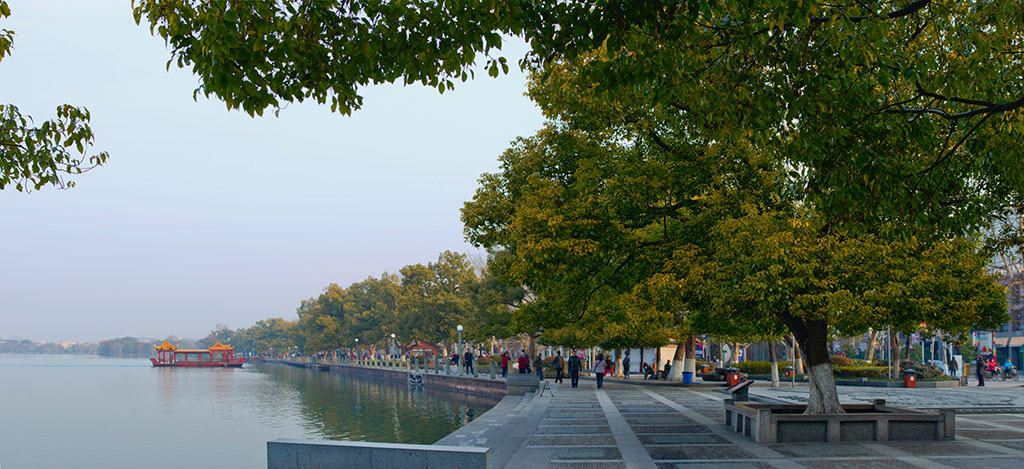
[(85, 411)]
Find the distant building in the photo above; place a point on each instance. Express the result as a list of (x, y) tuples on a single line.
[(423, 349)]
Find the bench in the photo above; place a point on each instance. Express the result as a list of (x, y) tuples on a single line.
[(740, 392)]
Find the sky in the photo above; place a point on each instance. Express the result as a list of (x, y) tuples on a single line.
[(204, 216)]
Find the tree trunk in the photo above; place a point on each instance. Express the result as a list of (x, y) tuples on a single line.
[(775, 364), (872, 343), (531, 346), (798, 361), (894, 347), (690, 362), (813, 340), (676, 373), (735, 358)]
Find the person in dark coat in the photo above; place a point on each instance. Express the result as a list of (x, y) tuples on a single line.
[(559, 366), (574, 369), (625, 366), (469, 362), (980, 371), (524, 362)]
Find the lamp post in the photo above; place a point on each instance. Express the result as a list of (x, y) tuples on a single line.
[(392, 344), (460, 350)]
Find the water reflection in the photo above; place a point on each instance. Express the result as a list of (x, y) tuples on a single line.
[(337, 407)]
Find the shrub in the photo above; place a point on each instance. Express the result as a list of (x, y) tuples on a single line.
[(759, 368), (924, 372), (859, 371), (840, 360)]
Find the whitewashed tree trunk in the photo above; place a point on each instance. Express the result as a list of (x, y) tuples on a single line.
[(823, 397), (690, 361), (676, 373)]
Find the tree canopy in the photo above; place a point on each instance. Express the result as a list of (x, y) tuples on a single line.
[(36, 155)]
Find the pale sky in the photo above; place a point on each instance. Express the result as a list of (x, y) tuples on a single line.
[(203, 216)]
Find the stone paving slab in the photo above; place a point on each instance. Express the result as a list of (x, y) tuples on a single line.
[(858, 464), (820, 450), (572, 440), (715, 464), (1003, 462), (682, 428), (681, 438)]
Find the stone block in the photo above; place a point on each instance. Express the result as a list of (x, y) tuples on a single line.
[(518, 384), (312, 454)]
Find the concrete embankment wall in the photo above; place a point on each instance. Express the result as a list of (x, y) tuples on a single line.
[(465, 384)]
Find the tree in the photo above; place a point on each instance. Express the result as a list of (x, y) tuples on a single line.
[(892, 121), (33, 156), (770, 266)]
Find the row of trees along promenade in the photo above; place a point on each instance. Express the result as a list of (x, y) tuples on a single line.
[(744, 169)]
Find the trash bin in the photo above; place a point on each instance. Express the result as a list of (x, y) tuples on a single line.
[(732, 376), (705, 368), (687, 377), (909, 379), (788, 372)]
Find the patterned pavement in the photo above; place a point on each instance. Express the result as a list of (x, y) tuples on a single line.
[(627, 426)]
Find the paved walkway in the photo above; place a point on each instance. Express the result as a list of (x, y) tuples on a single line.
[(628, 426)]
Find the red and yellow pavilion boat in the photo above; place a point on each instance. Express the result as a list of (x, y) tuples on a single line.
[(215, 356)]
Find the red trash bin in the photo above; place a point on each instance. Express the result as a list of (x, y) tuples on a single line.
[(732, 377), (909, 379)]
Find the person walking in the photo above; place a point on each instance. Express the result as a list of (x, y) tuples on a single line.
[(574, 369), (980, 370), (538, 367), (625, 366), (504, 364), (469, 362), (599, 367), (559, 366), (524, 362)]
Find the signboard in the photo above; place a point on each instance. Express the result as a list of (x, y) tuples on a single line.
[(983, 340)]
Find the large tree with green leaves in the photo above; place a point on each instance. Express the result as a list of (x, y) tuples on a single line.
[(889, 119)]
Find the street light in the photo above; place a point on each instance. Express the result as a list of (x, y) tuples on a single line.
[(392, 344), (460, 349)]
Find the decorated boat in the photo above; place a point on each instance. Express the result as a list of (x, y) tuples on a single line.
[(217, 355)]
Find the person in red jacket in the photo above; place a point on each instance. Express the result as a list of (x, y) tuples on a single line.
[(524, 362), (504, 364)]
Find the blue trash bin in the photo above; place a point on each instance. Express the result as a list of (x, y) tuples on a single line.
[(687, 377)]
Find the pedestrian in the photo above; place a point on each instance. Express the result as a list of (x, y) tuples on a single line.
[(609, 366), (504, 364), (469, 362), (524, 362), (599, 366), (574, 369), (980, 371), (538, 366), (559, 366), (625, 366)]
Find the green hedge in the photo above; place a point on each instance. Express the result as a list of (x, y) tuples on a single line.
[(759, 368), (859, 371)]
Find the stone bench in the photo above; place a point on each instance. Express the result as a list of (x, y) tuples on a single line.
[(519, 384)]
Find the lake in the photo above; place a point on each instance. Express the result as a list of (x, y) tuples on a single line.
[(87, 411)]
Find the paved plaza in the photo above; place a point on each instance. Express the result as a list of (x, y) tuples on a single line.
[(630, 426)]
